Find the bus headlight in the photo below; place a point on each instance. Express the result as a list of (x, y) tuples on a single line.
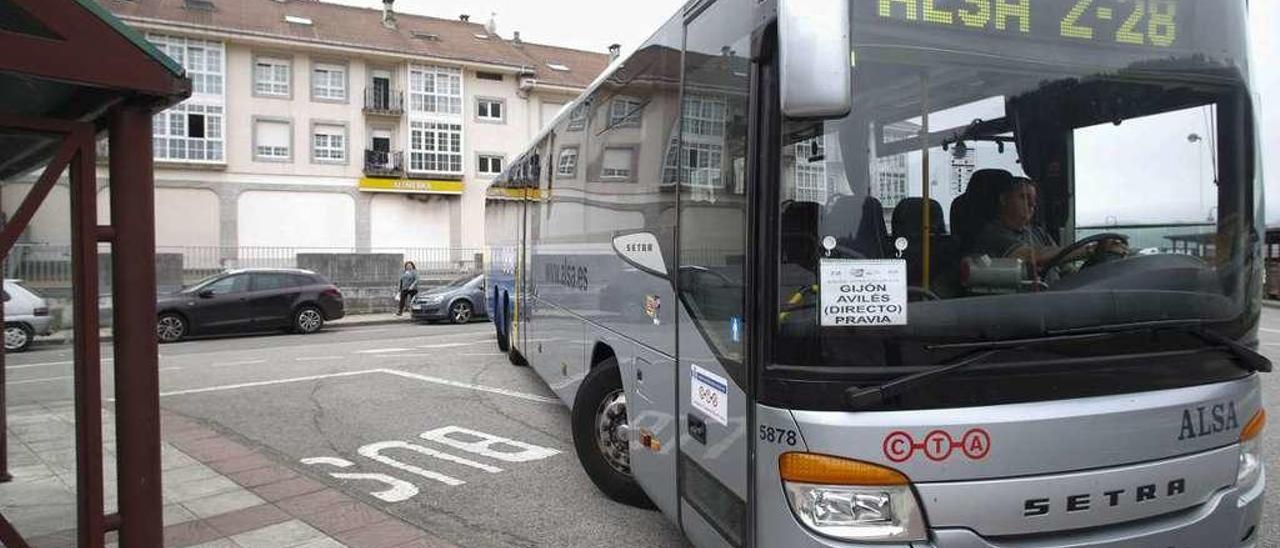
[(1251, 449), (851, 500)]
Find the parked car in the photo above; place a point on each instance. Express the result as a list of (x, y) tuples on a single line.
[(26, 315), (458, 301), (255, 299)]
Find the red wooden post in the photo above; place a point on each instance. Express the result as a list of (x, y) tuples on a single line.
[(88, 363), (133, 276)]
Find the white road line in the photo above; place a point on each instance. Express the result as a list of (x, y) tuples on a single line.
[(404, 374), (1269, 330), (67, 377), (265, 383), (317, 358), (383, 350), (46, 364), (452, 345), (230, 364), (469, 386)]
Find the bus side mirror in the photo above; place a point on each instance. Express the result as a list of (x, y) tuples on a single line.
[(641, 250), (815, 64)]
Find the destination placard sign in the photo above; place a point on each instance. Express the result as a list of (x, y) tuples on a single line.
[(863, 292)]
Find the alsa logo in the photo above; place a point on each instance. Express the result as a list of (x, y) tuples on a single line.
[(1211, 419)]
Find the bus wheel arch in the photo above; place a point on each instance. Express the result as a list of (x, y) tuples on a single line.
[(600, 435), (601, 353)]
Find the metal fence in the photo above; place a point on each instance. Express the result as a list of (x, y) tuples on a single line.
[(50, 265)]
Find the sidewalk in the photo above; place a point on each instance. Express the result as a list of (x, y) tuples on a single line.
[(218, 493)]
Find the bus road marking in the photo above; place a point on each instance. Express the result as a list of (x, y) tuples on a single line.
[(485, 445)]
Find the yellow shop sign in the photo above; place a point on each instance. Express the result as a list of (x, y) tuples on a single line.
[(411, 186)]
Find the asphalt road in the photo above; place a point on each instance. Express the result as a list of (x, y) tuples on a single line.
[(363, 394)]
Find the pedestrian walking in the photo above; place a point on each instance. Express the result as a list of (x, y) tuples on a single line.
[(408, 285)]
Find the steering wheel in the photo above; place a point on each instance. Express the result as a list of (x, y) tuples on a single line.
[(1065, 252)]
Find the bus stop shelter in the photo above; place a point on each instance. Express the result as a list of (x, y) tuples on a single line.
[(70, 74)]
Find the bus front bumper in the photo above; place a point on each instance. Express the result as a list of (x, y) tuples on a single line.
[(1230, 519)]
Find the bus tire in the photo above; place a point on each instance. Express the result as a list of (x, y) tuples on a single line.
[(604, 455)]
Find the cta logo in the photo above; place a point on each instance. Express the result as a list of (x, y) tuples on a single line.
[(937, 445)]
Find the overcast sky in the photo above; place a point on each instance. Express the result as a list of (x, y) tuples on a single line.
[(593, 25)]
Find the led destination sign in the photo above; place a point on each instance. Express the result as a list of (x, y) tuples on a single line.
[(1146, 23)]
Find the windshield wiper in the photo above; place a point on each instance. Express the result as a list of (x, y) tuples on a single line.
[(1246, 357), (860, 398)]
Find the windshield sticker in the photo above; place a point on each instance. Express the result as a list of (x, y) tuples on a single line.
[(937, 445), (864, 292), (709, 393)]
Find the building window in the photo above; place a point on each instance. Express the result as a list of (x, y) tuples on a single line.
[(617, 163), (703, 116), (201, 58), (329, 143), (329, 82), (435, 90), (567, 165), (488, 164), (625, 112), (494, 76), (811, 171), (189, 132), (490, 110), (435, 147), (271, 77), (702, 150), (578, 118), (192, 131), (271, 140)]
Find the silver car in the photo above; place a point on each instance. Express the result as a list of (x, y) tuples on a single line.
[(458, 301), (26, 315)]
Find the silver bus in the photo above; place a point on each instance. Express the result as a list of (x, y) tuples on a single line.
[(905, 273)]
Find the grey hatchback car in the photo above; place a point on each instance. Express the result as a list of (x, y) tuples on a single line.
[(458, 301)]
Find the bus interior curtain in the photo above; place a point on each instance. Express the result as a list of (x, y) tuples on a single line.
[(1042, 141)]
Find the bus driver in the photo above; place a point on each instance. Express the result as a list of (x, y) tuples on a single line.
[(1011, 234)]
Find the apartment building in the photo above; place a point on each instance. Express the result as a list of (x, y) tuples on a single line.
[(316, 125)]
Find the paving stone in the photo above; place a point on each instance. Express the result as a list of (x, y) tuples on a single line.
[(281, 490), (222, 503), (386, 534), (248, 519), (281, 535), (262, 476), (173, 514), (190, 533), (322, 543), (191, 490), (310, 503), (345, 517), (185, 474)]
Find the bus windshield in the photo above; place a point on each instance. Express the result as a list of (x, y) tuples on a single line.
[(1066, 167)]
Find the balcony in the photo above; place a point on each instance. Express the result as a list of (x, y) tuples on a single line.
[(383, 102), (380, 163)]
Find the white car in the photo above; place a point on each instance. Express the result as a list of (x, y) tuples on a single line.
[(25, 316)]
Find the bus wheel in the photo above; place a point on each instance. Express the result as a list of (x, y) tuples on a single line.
[(601, 438)]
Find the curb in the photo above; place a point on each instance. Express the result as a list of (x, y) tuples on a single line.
[(1269, 303)]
